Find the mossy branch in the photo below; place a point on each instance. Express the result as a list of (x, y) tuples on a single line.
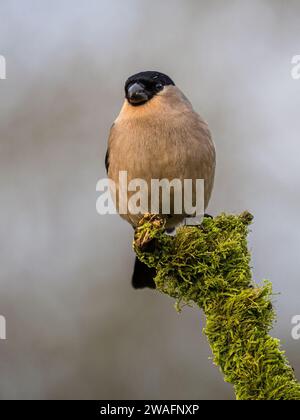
[(210, 266)]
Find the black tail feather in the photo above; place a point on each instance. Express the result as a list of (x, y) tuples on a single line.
[(143, 276)]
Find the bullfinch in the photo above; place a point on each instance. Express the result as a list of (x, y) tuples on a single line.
[(156, 136)]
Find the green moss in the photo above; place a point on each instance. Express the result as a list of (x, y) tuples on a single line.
[(210, 266)]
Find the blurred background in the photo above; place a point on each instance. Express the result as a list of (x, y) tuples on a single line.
[(75, 327)]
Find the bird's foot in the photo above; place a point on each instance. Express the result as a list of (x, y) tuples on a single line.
[(208, 216), (144, 238), (197, 220)]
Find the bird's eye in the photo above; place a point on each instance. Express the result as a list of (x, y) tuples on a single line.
[(159, 86)]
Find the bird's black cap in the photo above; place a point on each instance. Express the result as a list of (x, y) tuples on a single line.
[(150, 77), (141, 87)]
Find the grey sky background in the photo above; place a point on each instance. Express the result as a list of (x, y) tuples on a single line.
[(75, 328)]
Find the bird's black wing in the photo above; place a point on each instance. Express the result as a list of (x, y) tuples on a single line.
[(107, 160), (107, 152)]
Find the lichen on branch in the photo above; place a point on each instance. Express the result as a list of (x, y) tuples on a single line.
[(210, 265)]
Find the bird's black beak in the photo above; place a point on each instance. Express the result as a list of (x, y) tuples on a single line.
[(136, 94)]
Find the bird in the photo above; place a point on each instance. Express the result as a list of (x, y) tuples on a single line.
[(158, 135)]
